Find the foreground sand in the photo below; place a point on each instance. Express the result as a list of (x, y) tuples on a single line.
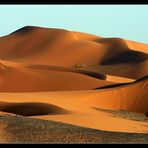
[(81, 107), (97, 85), (27, 130)]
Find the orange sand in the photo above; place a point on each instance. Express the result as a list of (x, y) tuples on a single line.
[(56, 74)]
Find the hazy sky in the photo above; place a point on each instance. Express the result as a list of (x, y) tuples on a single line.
[(126, 21)]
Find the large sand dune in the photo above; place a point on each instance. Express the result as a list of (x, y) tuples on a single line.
[(57, 47), (75, 78)]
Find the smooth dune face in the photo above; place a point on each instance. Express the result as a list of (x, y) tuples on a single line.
[(73, 77), (131, 97)]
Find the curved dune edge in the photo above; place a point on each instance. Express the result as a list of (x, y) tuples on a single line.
[(131, 97), (125, 84), (31, 108)]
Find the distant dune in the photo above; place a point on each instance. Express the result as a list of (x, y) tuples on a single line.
[(57, 47), (74, 78)]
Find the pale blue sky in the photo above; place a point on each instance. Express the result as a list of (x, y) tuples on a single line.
[(126, 21)]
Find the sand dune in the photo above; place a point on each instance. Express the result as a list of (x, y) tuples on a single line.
[(31, 109), (82, 105), (131, 71), (55, 37), (131, 97), (75, 78), (82, 112), (59, 47), (138, 46), (54, 79), (73, 69)]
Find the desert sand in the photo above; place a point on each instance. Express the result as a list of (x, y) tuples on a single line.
[(43, 131), (86, 83)]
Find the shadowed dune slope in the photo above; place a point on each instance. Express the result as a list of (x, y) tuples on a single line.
[(131, 97), (127, 70), (31, 108), (127, 57)]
